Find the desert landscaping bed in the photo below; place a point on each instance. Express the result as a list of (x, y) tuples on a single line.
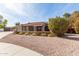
[(45, 45)]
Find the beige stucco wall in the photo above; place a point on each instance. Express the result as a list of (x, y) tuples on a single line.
[(18, 28)]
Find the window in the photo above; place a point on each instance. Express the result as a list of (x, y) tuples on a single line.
[(39, 28), (31, 28), (24, 28), (46, 28)]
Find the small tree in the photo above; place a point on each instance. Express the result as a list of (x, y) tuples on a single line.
[(66, 15), (1, 17), (4, 23), (1, 26), (58, 26), (18, 23)]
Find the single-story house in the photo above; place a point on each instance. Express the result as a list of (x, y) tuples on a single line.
[(37, 26), (34, 26)]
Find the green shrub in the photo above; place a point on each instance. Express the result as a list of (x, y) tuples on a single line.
[(21, 33), (51, 35), (47, 32), (58, 26), (36, 33), (44, 34), (15, 32), (28, 33)]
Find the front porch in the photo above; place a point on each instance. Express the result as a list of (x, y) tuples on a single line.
[(34, 28)]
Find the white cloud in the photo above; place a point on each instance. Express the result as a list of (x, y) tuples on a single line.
[(21, 10), (18, 8), (14, 7)]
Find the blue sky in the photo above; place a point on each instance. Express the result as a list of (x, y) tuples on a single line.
[(23, 12)]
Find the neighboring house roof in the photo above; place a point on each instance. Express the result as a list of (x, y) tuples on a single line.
[(35, 24)]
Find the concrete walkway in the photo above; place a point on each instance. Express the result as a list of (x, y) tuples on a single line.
[(7, 49)]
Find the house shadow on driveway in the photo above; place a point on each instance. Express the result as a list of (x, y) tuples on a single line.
[(71, 37)]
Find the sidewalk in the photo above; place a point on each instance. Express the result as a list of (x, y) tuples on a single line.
[(3, 34), (7, 49)]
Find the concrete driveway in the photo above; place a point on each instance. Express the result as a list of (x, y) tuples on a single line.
[(3, 34), (7, 49)]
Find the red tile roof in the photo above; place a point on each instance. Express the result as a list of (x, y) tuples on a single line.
[(35, 24)]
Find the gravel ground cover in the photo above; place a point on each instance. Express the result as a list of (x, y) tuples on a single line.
[(48, 46)]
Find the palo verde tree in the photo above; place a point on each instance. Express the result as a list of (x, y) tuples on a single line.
[(74, 21), (58, 26)]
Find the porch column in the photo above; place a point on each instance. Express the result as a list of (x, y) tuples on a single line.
[(19, 28), (22, 29), (34, 28), (43, 28), (27, 29), (16, 28)]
